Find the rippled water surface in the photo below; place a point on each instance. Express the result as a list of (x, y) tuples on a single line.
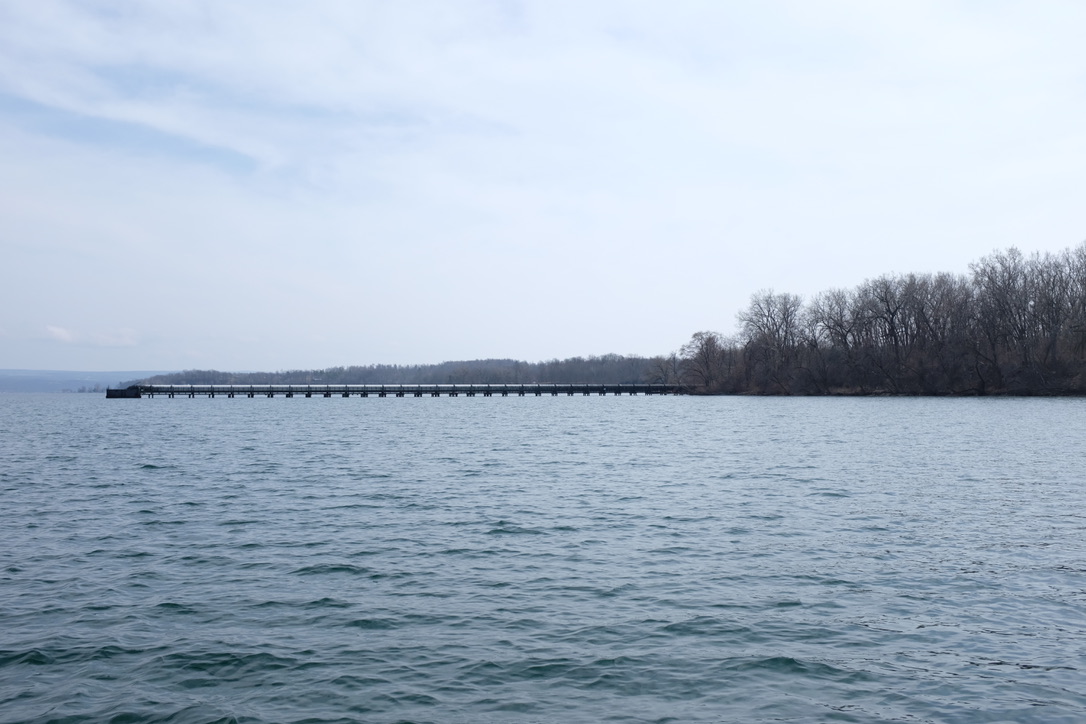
[(566, 559)]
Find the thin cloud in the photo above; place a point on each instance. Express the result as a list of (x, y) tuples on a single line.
[(60, 334), (110, 338)]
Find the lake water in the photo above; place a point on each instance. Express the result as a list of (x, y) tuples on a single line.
[(566, 559)]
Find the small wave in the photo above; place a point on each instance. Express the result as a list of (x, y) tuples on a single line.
[(34, 657), (703, 626), (328, 603), (354, 506), (1024, 667), (156, 711), (306, 605), (353, 682), (503, 527), (541, 670), (520, 707), (325, 568), (229, 665), (392, 576), (601, 592), (373, 624), (38, 657), (790, 665), (176, 608), (412, 698)]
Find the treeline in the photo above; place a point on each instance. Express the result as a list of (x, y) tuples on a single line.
[(604, 369), (1013, 325)]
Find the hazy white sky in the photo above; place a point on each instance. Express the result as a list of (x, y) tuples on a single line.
[(262, 184)]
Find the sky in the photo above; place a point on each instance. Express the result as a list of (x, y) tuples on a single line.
[(271, 185)]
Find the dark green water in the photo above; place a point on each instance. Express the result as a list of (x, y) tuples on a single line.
[(626, 559)]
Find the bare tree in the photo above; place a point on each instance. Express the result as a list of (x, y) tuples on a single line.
[(703, 361), (770, 328)]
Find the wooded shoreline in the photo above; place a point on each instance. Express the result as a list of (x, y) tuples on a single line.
[(1013, 326)]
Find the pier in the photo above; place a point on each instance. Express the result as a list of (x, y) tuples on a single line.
[(446, 390)]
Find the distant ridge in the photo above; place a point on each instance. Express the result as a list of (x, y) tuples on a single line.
[(66, 380), (603, 369)]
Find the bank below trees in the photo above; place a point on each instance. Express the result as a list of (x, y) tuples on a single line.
[(1014, 325)]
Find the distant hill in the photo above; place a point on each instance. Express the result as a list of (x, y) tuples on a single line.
[(66, 381), (604, 369)]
